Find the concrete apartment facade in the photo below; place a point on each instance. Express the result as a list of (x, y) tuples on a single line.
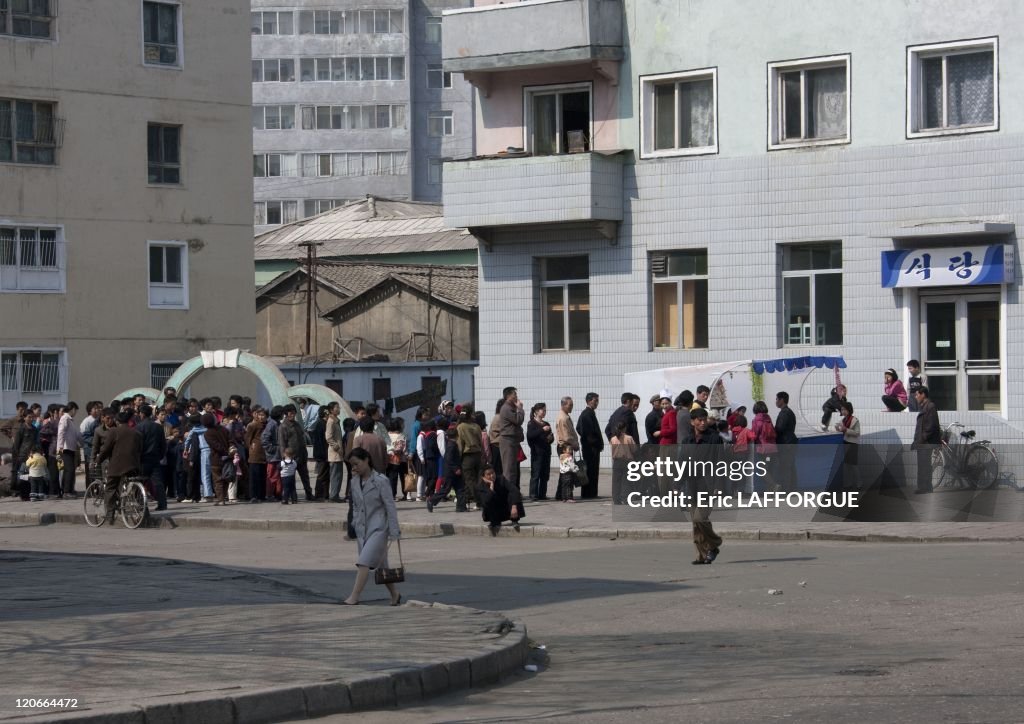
[(125, 199), (734, 178), (349, 99)]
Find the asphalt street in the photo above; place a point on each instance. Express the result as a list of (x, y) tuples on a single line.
[(632, 632)]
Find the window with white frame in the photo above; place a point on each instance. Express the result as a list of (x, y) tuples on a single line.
[(565, 303), (161, 33), (272, 22), (352, 69), (39, 372), (29, 131), (273, 70), (435, 170), (28, 18), (272, 165), (273, 118), (352, 22), (680, 298), (440, 123), (812, 280), (953, 88), (350, 164), (168, 275), (274, 213), (438, 77), (164, 154), (160, 372), (31, 259), (353, 117), (432, 31), (312, 207), (679, 113), (809, 102), (558, 119)]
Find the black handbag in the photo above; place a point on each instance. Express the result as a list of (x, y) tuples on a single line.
[(391, 575)]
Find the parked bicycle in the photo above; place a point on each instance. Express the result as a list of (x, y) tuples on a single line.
[(961, 461), (131, 501)]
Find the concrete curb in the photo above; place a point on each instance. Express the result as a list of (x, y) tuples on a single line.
[(433, 530), (376, 690)]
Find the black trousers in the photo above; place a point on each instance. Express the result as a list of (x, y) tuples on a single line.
[(67, 475), (924, 468), (592, 460), (257, 481), (323, 479), (302, 468)]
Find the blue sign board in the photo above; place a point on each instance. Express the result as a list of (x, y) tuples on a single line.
[(947, 266)]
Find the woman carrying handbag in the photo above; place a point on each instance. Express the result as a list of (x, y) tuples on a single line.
[(375, 520)]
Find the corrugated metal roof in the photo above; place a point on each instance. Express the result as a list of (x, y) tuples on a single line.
[(366, 227)]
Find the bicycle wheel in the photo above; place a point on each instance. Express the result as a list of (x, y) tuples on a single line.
[(981, 467), (133, 504), (942, 469), (95, 510)]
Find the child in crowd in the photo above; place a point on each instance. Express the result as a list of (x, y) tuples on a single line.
[(832, 404), (914, 382), (288, 468), (894, 395), (567, 473), (36, 465)]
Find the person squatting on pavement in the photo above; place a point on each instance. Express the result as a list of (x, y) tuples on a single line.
[(500, 500), (375, 520)]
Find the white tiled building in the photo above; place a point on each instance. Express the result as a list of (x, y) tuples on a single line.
[(728, 194)]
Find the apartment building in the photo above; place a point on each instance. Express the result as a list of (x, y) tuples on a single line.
[(701, 182), (349, 100), (125, 199)]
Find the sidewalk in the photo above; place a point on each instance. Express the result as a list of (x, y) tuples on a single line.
[(142, 640), (547, 519)]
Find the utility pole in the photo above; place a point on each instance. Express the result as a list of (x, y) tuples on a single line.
[(310, 286)]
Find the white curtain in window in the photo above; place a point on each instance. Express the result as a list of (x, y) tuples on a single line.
[(289, 211), (544, 124), (697, 114), (969, 80), (288, 164), (826, 94), (259, 213)]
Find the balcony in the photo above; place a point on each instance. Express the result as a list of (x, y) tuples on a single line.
[(576, 188), (532, 34)]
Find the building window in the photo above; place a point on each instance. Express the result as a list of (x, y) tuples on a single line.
[(337, 386), (558, 119), (382, 388), (160, 372), (565, 303), (352, 117), (29, 132), (27, 18), (31, 259), (168, 275), (812, 279), (437, 77), (680, 299), (440, 123), (164, 154), (351, 22), (678, 113), (273, 213), (32, 372), (352, 69), (272, 165), (312, 207), (272, 23), (433, 30), (273, 70), (809, 102), (953, 88), (161, 34), (365, 163), (435, 171), (273, 118)]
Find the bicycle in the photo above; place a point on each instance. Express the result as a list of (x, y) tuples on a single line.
[(131, 502), (961, 460)]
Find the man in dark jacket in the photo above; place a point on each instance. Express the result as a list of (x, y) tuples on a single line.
[(499, 501), (451, 474), (510, 434), (625, 414), (707, 446), (318, 439), (785, 436), (154, 448), (684, 427), (26, 437), (927, 434), (123, 448), (591, 445), (291, 435), (652, 423)]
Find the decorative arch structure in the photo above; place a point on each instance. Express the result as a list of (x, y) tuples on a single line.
[(281, 393)]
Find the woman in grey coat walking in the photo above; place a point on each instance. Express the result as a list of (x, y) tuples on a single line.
[(375, 520)]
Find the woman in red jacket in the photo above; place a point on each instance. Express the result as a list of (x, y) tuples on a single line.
[(668, 426)]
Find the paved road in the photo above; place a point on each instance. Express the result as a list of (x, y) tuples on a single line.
[(921, 633)]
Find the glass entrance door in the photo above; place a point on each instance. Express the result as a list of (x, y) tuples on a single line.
[(960, 340)]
